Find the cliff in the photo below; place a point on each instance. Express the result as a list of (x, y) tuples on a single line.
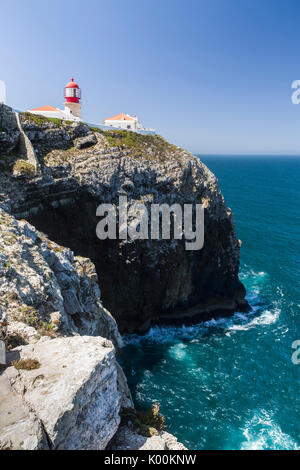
[(65, 294), (62, 387), (153, 280)]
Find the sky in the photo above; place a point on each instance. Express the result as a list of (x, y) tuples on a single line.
[(213, 76)]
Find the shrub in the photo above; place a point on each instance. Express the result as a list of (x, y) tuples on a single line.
[(24, 168), (26, 364), (147, 431), (152, 417), (147, 423), (47, 329), (30, 316)]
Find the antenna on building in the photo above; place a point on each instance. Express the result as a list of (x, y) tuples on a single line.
[(2, 92)]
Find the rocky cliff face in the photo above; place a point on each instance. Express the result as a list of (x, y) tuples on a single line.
[(62, 387), (142, 281), (66, 389), (9, 133), (45, 290), (51, 313)]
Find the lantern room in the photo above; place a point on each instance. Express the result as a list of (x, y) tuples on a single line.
[(72, 92)]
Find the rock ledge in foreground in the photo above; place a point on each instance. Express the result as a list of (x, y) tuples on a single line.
[(71, 401)]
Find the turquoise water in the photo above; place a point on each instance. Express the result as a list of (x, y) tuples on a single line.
[(230, 383)]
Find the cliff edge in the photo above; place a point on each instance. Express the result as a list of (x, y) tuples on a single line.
[(142, 281), (65, 294)]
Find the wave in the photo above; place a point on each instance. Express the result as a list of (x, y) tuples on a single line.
[(262, 313), (259, 316), (263, 433)]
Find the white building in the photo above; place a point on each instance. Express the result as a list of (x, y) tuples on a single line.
[(51, 112), (125, 121)]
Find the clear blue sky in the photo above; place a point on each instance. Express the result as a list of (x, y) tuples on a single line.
[(213, 76)]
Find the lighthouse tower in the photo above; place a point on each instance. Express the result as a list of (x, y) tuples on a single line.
[(72, 96)]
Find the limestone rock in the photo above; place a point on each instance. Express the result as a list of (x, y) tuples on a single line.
[(20, 429), (47, 289), (127, 439), (153, 280), (85, 142), (73, 396)]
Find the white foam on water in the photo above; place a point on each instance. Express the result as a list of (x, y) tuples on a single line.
[(263, 433), (268, 317), (258, 316), (178, 352), (237, 322)]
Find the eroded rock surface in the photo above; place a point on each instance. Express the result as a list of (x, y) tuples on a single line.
[(71, 401), (142, 281), (50, 297), (47, 291)]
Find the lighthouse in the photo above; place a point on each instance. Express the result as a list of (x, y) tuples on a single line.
[(72, 94)]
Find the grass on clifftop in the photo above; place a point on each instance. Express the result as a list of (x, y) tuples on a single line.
[(39, 120), (147, 146)]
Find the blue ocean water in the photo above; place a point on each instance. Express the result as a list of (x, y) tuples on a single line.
[(230, 383)]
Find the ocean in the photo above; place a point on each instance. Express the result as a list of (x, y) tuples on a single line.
[(230, 383)]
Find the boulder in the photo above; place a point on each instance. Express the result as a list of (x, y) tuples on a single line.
[(71, 401)]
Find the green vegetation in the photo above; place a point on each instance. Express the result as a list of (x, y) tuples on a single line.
[(147, 423), (10, 239), (29, 315), (10, 297), (47, 329), (54, 246), (47, 326), (60, 155), (26, 364), (24, 168), (95, 129), (146, 146), (5, 221), (40, 120)]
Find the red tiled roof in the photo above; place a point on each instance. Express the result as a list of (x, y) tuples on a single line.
[(120, 117), (45, 108)]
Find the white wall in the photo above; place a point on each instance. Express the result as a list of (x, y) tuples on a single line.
[(2, 92), (103, 127), (56, 115), (121, 124)]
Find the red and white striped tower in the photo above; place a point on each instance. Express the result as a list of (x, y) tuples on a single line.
[(72, 94)]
